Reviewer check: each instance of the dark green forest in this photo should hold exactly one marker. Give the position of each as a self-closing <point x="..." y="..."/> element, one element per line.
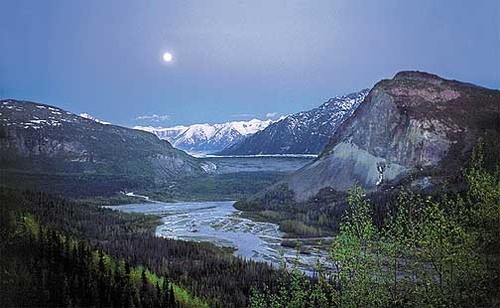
<point x="42" y="267"/>
<point x="73" y="231"/>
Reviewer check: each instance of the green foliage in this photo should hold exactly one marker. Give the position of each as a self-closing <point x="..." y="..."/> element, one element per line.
<point x="483" y="198"/>
<point x="356" y="254"/>
<point x="294" y="291"/>
<point x="433" y="251"/>
<point x="44" y="267"/>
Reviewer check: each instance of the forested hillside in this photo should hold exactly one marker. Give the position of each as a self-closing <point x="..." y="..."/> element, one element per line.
<point x="72" y="238"/>
<point x="428" y="252"/>
<point x="50" y="148"/>
<point x="42" y="267"/>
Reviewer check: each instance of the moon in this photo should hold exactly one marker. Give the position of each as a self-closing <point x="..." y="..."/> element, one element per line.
<point x="167" y="57"/>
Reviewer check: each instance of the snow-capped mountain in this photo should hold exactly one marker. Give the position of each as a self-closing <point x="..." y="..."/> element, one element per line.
<point x="207" y="138"/>
<point x="302" y="133"/>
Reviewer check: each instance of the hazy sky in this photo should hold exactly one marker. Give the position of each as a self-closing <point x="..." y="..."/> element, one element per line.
<point x="233" y="59"/>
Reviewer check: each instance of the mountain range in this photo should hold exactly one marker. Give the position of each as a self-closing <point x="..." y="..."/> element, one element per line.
<point x="42" y="139"/>
<point x="416" y="127"/>
<point x="305" y="132"/>
<point x="207" y="138"/>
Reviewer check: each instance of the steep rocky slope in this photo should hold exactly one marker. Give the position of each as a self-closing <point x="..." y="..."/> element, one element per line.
<point x="45" y="139"/>
<point x="302" y="133"/>
<point x="416" y="123"/>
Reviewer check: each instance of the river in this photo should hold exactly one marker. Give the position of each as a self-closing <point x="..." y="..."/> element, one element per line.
<point x="221" y="224"/>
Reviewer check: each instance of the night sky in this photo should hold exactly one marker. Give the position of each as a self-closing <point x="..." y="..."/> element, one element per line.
<point x="233" y="59"/>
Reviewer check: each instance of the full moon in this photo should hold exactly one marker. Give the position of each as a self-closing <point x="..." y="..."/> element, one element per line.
<point x="167" y="57"/>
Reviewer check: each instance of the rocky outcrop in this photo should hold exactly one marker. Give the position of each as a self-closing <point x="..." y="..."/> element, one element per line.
<point x="415" y="123"/>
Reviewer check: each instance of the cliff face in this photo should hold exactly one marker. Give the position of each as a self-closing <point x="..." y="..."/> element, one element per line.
<point x="414" y="123"/>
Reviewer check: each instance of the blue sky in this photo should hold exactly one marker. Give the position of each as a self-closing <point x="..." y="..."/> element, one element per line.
<point x="233" y="59"/>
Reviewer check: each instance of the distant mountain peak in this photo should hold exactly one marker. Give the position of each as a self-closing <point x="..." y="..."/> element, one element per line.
<point x="207" y="138"/>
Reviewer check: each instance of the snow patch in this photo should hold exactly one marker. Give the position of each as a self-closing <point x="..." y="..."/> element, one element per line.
<point x="90" y="117"/>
